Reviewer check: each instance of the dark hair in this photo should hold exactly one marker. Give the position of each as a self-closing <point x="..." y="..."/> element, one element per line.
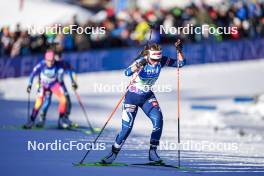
<point x="153" y="46"/>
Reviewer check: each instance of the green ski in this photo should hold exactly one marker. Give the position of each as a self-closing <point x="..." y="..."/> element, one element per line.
<point x="100" y="164"/>
<point x="141" y="165"/>
<point x="162" y="164"/>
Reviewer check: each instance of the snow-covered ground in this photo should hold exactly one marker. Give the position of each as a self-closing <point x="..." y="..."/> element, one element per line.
<point x="239" y="125"/>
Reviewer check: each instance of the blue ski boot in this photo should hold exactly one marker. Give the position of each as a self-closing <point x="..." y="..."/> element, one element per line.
<point x="62" y="124"/>
<point x="29" y="124"/>
<point x="41" y="122"/>
<point x="153" y="156"/>
<point x="111" y="156"/>
<point x="70" y="123"/>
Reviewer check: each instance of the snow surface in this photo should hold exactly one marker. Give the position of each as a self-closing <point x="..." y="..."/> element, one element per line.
<point x="240" y="124"/>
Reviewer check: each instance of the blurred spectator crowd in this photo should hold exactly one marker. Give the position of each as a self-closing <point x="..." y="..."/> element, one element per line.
<point x="130" y="28"/>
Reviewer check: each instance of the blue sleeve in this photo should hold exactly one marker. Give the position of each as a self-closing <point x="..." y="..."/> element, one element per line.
<point x="72" y="76"/>
<point x="69" y="69"/>
<point x="36" y="71"/>
<point x="60" y="74"/>
<point x="169" y="62"/>
<point x="71" y="73"/>
<point x="128" y="71"/>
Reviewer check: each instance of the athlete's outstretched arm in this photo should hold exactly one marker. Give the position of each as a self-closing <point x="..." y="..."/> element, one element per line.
<point x="180" y="61"/>
<point x="69" y="69"/>
<point x="60" y="75"/>
<point x="169" y="62"/>
<point x="36" y="71"/>
<point x="72" y="76"/>
<point x="135" y="66"/>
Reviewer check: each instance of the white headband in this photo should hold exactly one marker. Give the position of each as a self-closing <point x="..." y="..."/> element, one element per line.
<point x="155" y="55"/>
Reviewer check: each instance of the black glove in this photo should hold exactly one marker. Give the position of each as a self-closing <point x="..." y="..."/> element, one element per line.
<point x="142" y="63"/>
<point x="178" y="45"/>
<point x="29" y="88"/>
<point x="74" y="86"/>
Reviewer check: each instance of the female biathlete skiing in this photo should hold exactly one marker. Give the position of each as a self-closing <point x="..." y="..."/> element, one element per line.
<point x="67" y="68"/>
<point x="51" y="77"/>
<point x="145" y="71"/>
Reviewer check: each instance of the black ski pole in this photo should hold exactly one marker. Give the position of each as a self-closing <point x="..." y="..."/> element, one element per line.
<point x="179" y="139"/>
<point x="28" y="106"/>
<point x="84" y="111"/>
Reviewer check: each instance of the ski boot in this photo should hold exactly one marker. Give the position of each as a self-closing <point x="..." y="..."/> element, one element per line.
<point x="111" y="156"/>
<point x="153" y="156"/>
<point x="41" y="122"/>
<point x="29" y="124"/>
<point x="70" y="123"/>
<point x="62" y="124"/>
